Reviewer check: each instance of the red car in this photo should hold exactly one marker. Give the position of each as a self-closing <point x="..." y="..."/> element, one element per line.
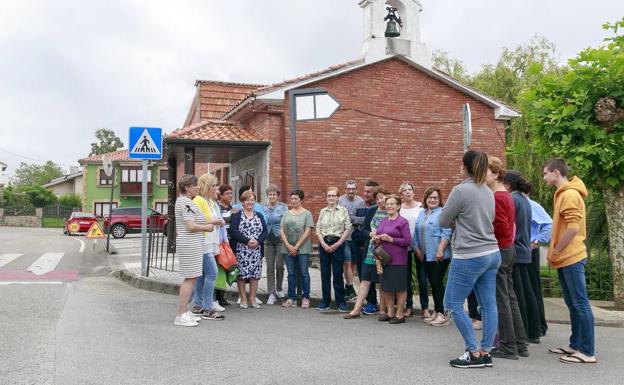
<point x="78" y="222"/>
<point x="128" y="220"/>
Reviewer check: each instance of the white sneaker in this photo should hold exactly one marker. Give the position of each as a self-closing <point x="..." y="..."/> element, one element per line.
<point x="258" y="302"/>
<point x="281" y="294"/>
<point x="238" y="300"/>
<point x="184" y="320"/>
<point x="271" y="299"/>
<point x="194" y="317"/>
<point x="217" y="307"/>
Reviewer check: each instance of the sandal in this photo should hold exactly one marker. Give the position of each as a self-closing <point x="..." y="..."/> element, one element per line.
<point x="213" y="315"/>
<point x="578" y="358"/>
<point x="384" y="318"/>
<point x="351" y="316"/>
<point x="562" y="351"/>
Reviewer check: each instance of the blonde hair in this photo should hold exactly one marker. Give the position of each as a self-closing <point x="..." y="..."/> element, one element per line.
<point x="247" y="195"/>
<point x="205" y="182"/>
<point x="496" y="166"/>
<point x="332" y="188"/>
<point x="405" y="185"/>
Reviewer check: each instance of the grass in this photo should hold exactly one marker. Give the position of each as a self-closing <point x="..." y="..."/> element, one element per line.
<point x="57" y="223"/>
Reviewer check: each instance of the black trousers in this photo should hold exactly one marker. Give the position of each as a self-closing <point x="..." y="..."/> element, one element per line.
<point x="526" y="300"/>
<point x="473" y="306"/>
<point x="435" y="274"/>
<point x="409" y="304"/>
<point x="423" y="285"/>
<point x="512" y="337"/>
<point x="536" y="283"/>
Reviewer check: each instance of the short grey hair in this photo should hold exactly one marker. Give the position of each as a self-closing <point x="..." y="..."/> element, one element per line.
<point x="273" y="188"/>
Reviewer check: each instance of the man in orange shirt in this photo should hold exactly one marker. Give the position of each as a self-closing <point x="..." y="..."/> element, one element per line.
<point x="567" y="253"/>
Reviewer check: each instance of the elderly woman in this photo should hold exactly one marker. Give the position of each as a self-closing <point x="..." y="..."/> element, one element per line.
<point x="190" y="227"/>
<point x="205" y="285"/>
<point x="369" y="268"/>
<point x="296" y="226"/>
<point x="393" y="234"/>
<point x="273" y="213"/>
<point x="249" y="232"/>
<point x="332" y="229"/>
<point x="432" y="245"/>
<point x="410" y="209"/>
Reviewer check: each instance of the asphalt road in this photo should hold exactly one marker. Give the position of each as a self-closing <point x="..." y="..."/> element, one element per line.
<point x="98" y="330"/>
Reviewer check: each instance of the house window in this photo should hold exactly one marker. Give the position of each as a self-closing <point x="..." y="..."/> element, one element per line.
<point x="161" y="207"/>
<point x="134" y="175"/>
<point x="103" y="179"/>
<point x="100" y="209"/>
<point x="162" y="176"/>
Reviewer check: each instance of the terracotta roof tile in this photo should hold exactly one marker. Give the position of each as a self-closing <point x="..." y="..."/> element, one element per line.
<point x="214" y="130"/>
<point x="113" y="156"/>
<point x="217" y="98"/>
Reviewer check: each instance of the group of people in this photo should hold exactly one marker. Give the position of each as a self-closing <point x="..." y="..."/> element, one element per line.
<point x="484" y="240"/>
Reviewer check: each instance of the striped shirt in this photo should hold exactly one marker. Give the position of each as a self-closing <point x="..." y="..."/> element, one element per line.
<point x="189" y="246"/>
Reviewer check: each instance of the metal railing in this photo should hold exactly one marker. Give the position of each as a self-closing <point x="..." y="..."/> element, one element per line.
<point x="159" y="255"/>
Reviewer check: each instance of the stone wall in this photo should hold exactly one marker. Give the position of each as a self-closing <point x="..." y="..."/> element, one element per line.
<point x="22" y="221"/>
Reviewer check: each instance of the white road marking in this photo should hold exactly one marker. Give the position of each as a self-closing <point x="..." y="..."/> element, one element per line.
<point x="82" y="244"/>
<point x="5" y="283"/>
<point x="5" y="259"/>
<point x="46" y="263"/>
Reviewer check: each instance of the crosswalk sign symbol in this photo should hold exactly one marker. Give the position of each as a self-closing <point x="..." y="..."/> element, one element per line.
<point x="95" y="231"/>
<point x="145" y="143"/>
<point x="74" y="227"/>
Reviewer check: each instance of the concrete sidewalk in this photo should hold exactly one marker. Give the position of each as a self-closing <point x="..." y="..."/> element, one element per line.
<point x="125" y="260"/>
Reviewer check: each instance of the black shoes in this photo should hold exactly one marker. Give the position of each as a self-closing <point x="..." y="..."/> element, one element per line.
<point x="468" y="361"/>
<point x="534" y="340"/>
<point x="498" y="354"/>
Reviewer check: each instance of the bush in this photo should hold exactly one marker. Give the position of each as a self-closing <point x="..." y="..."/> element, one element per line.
<point x="70" y="200"/>
<point x="598" y="278"/>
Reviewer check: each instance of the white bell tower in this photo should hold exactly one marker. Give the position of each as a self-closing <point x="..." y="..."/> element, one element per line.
<point x="376" y="46"/>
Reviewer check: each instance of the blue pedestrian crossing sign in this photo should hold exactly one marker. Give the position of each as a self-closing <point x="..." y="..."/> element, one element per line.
<point x="145" y="143"/>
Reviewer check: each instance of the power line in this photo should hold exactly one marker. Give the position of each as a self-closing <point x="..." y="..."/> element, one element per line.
<point x="32" y="159"/>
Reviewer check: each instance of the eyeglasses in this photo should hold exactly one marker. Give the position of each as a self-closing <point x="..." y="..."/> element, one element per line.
<point x="332" y="195"/>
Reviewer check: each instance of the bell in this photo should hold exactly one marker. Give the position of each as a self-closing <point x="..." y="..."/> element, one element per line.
<point x="391" y="29"/>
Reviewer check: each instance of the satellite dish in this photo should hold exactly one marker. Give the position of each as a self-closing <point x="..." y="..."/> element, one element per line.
<point x="107" y="164"/>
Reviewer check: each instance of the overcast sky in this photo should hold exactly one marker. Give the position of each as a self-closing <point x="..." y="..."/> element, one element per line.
<point x="68" y="68"/>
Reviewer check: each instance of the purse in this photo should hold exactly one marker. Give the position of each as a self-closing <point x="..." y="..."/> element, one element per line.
<point x="382" y="255"/>
<point x="226" y="258"/>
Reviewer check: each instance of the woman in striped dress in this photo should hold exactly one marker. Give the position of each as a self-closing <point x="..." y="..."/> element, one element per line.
<point x="190" y="228"/>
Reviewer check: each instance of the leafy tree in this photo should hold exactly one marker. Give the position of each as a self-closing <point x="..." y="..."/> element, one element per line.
<point x="449" y="66"/>
<point x="40" y="196"/>
<point x="70" y="200"/>
<point x="35" y="174"/>
<point x="579" y="115"/>
<point x="107" y="141"/>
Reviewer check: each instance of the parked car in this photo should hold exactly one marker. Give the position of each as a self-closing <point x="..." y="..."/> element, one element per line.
<point x="126" y="220"/>
<point x="81" y="221"/>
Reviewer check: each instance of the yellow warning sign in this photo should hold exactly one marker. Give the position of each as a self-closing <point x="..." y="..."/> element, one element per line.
<point x="95" y="231"/>
<point x="74" y="227"/>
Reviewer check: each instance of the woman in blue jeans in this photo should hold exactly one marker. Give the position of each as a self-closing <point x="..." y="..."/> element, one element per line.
<point x="476" y="259"/>
<point x="295" y="229"/>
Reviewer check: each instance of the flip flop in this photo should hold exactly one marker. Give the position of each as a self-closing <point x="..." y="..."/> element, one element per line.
<point x="562" y="351"/>
<point x="577" y="359"/>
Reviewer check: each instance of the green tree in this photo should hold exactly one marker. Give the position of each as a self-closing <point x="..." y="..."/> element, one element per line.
<point x="107" y="141"/>
<point x="40" y="196"/>
<point x="579" y="115"/>
<point x="70" y="200"/>
<point x="453" y="67"/>
<point x="35" y="174"/>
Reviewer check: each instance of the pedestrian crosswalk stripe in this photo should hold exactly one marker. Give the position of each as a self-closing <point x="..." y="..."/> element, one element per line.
<point x="46" y="263"/>
<point x="5" y="259"/>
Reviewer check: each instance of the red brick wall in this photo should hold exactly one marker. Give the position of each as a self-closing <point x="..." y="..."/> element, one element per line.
<point x="425" y="148"/>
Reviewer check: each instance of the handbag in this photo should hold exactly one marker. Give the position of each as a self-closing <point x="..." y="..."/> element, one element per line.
<point x="382" y="255"/>
<point x="226" y="258"/>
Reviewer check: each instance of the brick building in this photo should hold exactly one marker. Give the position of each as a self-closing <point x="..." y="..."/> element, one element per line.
<point x="399" y="119"/>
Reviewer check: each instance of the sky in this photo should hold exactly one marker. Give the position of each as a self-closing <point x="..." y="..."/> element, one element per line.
<point x="68" y="68"/>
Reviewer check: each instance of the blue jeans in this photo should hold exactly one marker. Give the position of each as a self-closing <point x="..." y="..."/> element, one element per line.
<point x="331" y="263"/>
<point x="464" y="276"/>
<point x="572" y="282"/>
<point x="205" y="285"/>
<point x="297" y="266"/>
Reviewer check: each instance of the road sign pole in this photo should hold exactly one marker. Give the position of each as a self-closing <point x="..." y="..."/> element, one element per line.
<point x="144" y="219"/>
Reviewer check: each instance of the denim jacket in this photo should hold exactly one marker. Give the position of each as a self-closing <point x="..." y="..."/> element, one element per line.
<point x="434" y="233"/>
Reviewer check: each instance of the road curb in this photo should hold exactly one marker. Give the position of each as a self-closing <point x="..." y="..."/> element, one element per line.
<point x="604" y="323"/>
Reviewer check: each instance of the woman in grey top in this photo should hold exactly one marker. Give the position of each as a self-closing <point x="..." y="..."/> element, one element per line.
<point x="476" y="259"/>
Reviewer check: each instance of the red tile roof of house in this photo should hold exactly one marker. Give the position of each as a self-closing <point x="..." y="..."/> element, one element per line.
<point x="113" y="156"/>
<point x="214" y="130"/>
<point x="216" y="98"/>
